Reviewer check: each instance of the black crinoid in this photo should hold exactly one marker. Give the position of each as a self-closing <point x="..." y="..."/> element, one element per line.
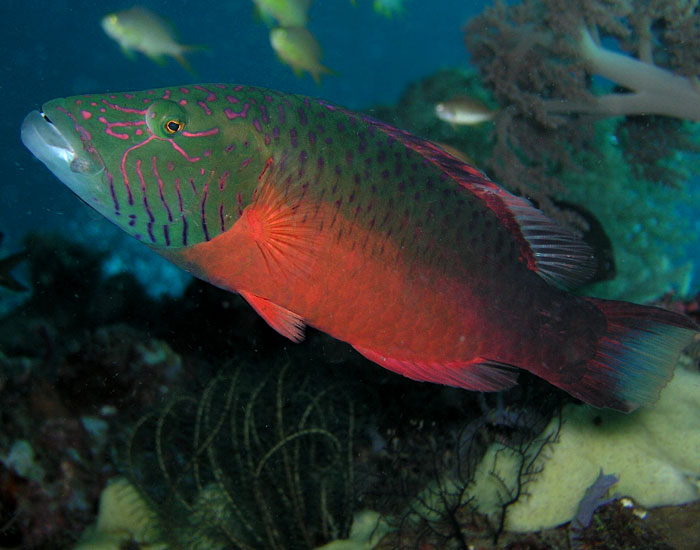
<point x="250" y="463"/>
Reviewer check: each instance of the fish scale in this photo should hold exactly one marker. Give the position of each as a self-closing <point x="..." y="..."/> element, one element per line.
<point x="320" y="216"/>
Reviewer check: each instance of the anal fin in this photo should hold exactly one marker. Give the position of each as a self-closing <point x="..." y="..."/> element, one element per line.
<point x="478" y="374"/>
<point x="285" y="322"/>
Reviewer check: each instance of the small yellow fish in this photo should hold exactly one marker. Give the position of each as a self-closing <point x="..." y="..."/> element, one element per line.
<point x="140" y="30"/>
<point x="388" y="8"/>
<point x="464" y="111"/>
<point x="287" y="13"/>
<point x="298" y="48"/>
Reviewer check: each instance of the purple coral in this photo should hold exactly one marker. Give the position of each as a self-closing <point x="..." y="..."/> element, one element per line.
<point x="593" y="498"/>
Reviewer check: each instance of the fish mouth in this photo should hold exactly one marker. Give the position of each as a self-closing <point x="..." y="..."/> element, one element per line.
<point x="60" y="151"/>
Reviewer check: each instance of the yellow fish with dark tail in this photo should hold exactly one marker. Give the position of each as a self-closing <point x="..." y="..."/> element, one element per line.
<point x="140" y="30"/>
<point x="299" y="49"/>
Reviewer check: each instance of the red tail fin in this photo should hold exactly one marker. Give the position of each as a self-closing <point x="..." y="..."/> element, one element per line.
<point x="636" y="356"/>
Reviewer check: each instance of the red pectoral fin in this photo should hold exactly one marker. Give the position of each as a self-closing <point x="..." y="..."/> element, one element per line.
<point x="284" y="223"/>
<point x="282" y="320"/>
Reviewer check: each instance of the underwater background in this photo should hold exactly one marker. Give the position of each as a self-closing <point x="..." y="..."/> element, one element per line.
<point x="115" y="365"/>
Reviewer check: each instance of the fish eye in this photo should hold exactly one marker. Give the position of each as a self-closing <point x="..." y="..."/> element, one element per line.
<point x="173" y="126"/>
<point x="165" y="118"/>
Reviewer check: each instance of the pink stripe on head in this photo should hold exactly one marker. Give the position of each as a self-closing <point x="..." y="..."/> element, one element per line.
<point x="182" y="152"/>
<point x="211" y="132"/>
<point x="123" y="109"/>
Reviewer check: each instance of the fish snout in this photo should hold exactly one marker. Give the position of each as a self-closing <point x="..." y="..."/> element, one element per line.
<point x="71" y="158"/>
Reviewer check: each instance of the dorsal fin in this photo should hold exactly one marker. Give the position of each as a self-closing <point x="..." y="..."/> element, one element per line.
<point x="557" y="255"/>
<point x="550" y="250"/>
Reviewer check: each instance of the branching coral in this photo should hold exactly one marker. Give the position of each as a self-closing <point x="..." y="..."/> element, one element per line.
<point x="555" y="69"/>
<point x="470" y="478"/>
<point x="543" y="53"/>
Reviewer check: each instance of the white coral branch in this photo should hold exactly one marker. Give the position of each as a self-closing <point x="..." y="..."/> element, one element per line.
<point x="654" y="91"/>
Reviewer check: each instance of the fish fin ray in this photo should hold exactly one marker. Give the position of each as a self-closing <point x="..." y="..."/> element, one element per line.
<point x="286" y="322"/>
<point x="283" y="222"/>
<point x="156" y="58"/>
<point x="553" y="252"/>
<point x="635" y="358"/>
<point x="478" y="374"/>
<point x="560" y="258"/>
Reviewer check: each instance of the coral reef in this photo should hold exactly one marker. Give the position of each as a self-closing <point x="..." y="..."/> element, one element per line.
<point x="283" y="455"/>
<point x="651" y="237"/>
<point x="577" y="86"/>
<point x="124" y="520"/>
<point x="656" y="465"/>
<point x="69" y="382"/>
<point x="540" y="56"/>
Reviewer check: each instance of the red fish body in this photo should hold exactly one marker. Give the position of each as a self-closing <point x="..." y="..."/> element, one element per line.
<point x="320" y="216"/>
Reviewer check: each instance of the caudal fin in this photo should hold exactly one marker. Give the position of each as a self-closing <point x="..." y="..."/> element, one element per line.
<point x="636" y="356"/>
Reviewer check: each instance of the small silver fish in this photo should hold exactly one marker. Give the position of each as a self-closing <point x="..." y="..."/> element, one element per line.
<point x="464" y="111"/>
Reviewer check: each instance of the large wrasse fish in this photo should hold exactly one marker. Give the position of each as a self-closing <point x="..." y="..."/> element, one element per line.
<point x="320" y="216"/>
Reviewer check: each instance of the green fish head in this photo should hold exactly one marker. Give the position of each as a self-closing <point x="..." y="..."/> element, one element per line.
<point x="152" y="162"/>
